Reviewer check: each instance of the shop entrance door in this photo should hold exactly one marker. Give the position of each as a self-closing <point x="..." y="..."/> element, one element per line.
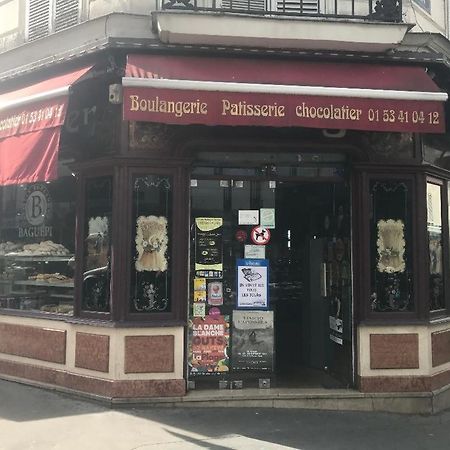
<point x="311" y="284"/>
<point x="270" y="276"/>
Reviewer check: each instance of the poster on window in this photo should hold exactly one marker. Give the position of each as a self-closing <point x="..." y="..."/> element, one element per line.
<point x="252" y="283"/>
<point x="208" y="350"/>
<point x="336" y="330"/>
<point x="208" y="247"/>
<point x="253" y="340"/>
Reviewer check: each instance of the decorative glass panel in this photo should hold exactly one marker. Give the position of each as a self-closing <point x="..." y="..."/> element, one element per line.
<point x="434" y="225"/>
<point x="391" y="267"/>
<point x="97" y="245"/>
<point x="151" y="244"/>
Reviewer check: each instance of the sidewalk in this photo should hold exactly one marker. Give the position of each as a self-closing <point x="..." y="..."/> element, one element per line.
<point x="36" y="419"/>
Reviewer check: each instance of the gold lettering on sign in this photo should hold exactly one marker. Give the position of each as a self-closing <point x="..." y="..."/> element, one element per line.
<point x="332" y="112"/>
<point x="176" y="108"/>
<point x="244" y="109"/>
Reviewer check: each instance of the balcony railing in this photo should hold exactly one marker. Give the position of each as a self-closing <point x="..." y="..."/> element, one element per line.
<point x="371" y="10"/>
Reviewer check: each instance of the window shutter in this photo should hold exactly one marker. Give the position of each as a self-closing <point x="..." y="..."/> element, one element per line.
<point x="244" y="5"/>
<point x="38" y="19"/>
<point x="298" y="6"/>
<point x="66" y="14"/>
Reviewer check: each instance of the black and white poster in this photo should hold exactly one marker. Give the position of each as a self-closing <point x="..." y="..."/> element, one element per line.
<point x="252" y="340"/>
<point x="208" y="247"/>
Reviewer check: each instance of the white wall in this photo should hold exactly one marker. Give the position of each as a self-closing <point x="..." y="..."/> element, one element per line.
<point x="97" y="8"/>
<point x="12" y="14"/>
<point x="434" y="20"/>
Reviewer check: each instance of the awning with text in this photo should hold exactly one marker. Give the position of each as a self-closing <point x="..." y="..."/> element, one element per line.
<point x="30" y="125"/>
<point x="281" y="93"/>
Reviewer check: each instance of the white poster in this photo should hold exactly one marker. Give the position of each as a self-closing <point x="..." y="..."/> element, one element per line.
<point x="255" y="251"/>
<point x="252" y="283"/>
<point x="248" y="217"/>
<point x="267" y="217"/>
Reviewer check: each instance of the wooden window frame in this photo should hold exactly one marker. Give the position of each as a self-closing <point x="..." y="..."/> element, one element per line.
<point x="445" y="186"/>
<point x="179" y="249"/>
<point x="362" y="246"/>
<point x="80" y="247"/>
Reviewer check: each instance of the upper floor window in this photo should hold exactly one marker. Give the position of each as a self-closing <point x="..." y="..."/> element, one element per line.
<point x="47" y="16"/>
<point x="425" y="4"/>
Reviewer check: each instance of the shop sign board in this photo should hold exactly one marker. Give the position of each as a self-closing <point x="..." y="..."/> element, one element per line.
<point x="253" y="340"/>
<point x="209" y="339"/>
<point x="208" y="247"/>
<point x="252" y="283"/>
<point x="185" y="107"/>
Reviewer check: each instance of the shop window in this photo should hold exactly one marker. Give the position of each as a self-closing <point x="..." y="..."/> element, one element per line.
<point x="391" y="239"/>
<point x="435" y="243"/>
<point x="97" y="244"/>
<point x="151" y="244"/>
<point x="37" y="226"/>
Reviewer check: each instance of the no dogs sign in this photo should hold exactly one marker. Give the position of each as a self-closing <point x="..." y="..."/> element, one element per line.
<point x="260" y="235"/>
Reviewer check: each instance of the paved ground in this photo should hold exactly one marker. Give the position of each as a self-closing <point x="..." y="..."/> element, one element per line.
<point x="36" y="419"/>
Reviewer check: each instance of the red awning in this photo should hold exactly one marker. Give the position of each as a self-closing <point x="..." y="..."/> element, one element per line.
<point x="233" y="91"/>
<point x="30" y="126"/>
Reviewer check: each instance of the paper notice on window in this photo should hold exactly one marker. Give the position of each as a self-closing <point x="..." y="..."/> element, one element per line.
<point x="252" y="283"/>
<point x="208" y="244"/>
<point x="267" y="217"/>
<point x="255" y="252"/>
<point x="248" y="217"/>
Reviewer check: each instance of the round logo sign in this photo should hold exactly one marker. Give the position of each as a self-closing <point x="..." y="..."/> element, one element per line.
<point x="36" y="208"/>
<point x="241" y="235"/>
<point x="214" y="312"/>
<point x="260" y="235"/>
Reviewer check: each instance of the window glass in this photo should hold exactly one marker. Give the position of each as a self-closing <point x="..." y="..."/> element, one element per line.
<point x="97" y="244"/>
<point x="434" y="226"/>
<point x="151" y="244"/>
<point x="37" y="226"/>
<point x="250" y="299"/>
<point x="391" y="238"/>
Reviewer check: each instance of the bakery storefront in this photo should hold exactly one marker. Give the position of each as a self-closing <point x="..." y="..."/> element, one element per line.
<point x="229" y="223"/>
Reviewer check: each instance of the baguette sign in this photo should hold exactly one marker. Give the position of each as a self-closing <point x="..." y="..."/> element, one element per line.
<point x="185" y="107"/>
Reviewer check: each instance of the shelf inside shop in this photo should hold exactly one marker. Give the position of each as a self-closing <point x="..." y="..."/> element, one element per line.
<point x="66" y="296"/>
<point x="42" y="258"/>
<point x="61" y="284"/>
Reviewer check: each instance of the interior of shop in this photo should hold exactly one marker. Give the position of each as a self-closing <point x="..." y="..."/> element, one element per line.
<point x="270" y="298"/>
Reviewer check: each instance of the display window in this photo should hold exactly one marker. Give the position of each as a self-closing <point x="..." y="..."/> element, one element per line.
<point x="270" y="274"/>
<point x="37" y="234"/>
<point x="151" y="244"/>
<point x="435" y="244"/>
<point x="97" y="244"/>
<point x="391" y="246"/>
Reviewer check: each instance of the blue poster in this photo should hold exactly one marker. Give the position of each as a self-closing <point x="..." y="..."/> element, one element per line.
<point x="252" y="283"/>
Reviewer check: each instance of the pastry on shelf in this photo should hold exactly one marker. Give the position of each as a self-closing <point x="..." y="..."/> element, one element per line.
<point x="8" y="247"/>
<point x="44" y="248"/>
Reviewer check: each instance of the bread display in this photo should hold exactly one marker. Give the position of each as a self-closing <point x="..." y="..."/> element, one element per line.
<point x="50" y="278"/>
<point x="8" y="247"/>
<point x="44" y="248"/>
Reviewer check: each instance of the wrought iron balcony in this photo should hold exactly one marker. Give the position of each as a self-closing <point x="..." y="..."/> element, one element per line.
<point x="370" y="10"/>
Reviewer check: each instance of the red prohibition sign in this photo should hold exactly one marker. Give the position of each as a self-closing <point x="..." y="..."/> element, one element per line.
<point x="260" y="235"/>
